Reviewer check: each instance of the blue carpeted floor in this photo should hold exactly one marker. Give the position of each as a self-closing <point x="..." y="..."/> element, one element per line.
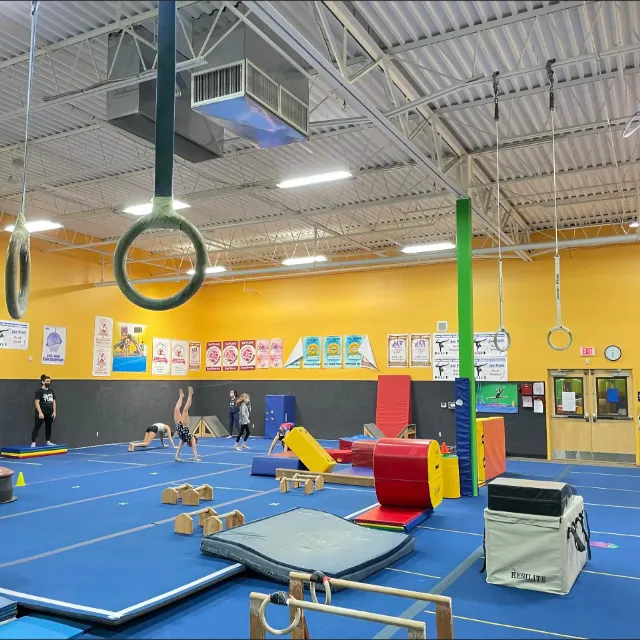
<point x="89" y="532"/>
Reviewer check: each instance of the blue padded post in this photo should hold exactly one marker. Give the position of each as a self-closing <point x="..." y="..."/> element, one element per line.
<point x="464" y="434"/>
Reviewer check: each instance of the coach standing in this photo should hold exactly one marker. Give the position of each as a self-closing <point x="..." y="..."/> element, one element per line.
<point x="45" y="410"/>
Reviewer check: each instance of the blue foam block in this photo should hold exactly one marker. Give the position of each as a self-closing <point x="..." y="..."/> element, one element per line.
<point x="37" y="627"/>
<point x="267" y="465"/>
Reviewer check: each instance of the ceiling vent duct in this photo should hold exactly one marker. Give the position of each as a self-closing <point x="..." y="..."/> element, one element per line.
<point x="250" y="89"/>
<point x="133" y="108"/>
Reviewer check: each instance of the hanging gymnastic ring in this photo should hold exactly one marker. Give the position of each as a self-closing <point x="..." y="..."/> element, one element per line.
<point x="284" y="599"/>
<point x="317" y="577"/>
<point x="563" y="329"/>
<point x="18" y="258"/>
<point x="496" y="342"/>
<point x="163" y="216"/>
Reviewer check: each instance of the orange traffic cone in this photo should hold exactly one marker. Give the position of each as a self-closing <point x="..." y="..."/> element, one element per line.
<point x="444" y="448"/>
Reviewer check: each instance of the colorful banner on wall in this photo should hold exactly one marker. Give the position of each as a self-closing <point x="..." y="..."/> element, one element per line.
<point x="230" y="355"/>
<point x="352" y="355"/>
<point x="332" y="350"/>
<point x="420" y="350"/>
<point x="484" y="345"/>
<point x="497" y="397"/>
<point x="397" y="350"/>
<point x="276" y="350"/>
<point x="486" y="369"/>
<point x="262" y="353"/>
<point x="445" y="345"/>
<point x="103" y="332"/>
<point x="247" y="355"/>
<point x="161" y="357"/>
<point x="366" y="351"/>
<point x="311" y="352"/>
<point x="130" y="350"/>
<point x="195" y="350"/>
<point x="54" y="345"/>
<point x="445" y="369"/>
<point x="295" y="357"/>
<point x="14" y="335"/>
<point x="213" y="357"/>
<point x="179" y="357"/>
<point x="101" y="362"/>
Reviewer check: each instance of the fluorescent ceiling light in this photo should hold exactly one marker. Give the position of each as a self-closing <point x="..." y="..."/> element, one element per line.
<point x="147" y="207"/>
<point x="34" y="226"/>
<point x="290" y="262"/>
<point x="634" y="225"/>
<point x="218" y="269"/>
<point x="317" y="179"/>
<point x="427" y="248"/>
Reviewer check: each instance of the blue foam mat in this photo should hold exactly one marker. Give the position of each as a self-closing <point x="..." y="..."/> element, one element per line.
<point x="41" y="628"/>
<point x="267" y="465"/>
<point x="37" y="449"/>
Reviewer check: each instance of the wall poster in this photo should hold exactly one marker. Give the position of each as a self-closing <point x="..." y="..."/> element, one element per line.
<point x="275" y="353"/>
<point x="262" y="353"/>
<point x="420" y="350"/>
<point x="497" y="397"/>
<point x="397" y="355"/>
<point x="332" y="352"/>
<point x="179" y="357"/>
<point x="54" y="345"/>
<point x="247" y="355"/>
<point x="195" y="350"/>
<point x="130" y="349"/>
<point x="311" y="352"/>
<point x="213" y="356"/>
<point x="14" y="335"/>
<point x="102" y="339"/>
<point x="230" y="355"/>
<point x="352" y="355"/>
<point x="160" y="360"/>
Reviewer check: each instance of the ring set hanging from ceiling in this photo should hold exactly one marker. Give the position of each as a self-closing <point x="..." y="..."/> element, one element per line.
<point x="18" y="252"/>
<point x="502" y="331"/>
<point x="559" y="327"/>
<point x="163" y="214"/>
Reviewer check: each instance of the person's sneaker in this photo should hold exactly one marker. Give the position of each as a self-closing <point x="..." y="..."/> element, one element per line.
<point x="51" y="444"/>
<point x="244" y="446"/>
<point x="236" y="447"/>
<point x="33" y="445"/>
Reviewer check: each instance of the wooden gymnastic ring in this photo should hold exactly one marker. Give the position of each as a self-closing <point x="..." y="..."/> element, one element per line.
<point x="276" y="599"/>
<point x="563" y="329"/>
<point x="163" y="216"/>
<point x="496" y="342"/>
<point x="319" y="577"/>
<point x="18" y="258"/>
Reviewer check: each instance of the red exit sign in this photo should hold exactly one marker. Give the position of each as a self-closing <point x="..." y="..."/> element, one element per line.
<point x="587" y="352"/>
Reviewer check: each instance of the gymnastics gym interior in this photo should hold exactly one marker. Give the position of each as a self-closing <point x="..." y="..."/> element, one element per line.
<point x="319" y="319"/>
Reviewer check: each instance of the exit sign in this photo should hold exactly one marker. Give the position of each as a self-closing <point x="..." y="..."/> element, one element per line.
<point x="587" y="352"/>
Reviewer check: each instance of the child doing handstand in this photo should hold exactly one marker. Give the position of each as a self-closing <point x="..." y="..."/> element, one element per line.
<point x="181" y="418"/>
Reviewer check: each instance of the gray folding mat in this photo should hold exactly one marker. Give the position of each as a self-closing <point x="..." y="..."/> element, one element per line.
<point x="216" y="426"/>
<point x="309" y="540"/>
<point x="373" y="430"/>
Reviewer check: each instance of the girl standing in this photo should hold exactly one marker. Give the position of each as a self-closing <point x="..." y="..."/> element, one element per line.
<point x="244" y="410"/>
<point x="233" y="412"/>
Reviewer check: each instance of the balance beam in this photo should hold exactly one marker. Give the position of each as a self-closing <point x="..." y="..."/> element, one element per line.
<point x="332" y="478"/>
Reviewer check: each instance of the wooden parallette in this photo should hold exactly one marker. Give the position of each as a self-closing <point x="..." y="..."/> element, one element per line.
<point x="209" y="519"/>
<point x="332" y="478"/>
<point x="309" y="481"/>
<point x="190" y="496"/>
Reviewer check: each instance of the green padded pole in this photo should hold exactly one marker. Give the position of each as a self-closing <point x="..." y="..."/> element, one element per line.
<point x="464" y="237"/>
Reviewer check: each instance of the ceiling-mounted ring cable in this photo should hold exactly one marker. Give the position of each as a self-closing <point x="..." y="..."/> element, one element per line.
<point x="163" y="214"/>
<point x="18" y="252"/>
<point x="559" y="327"/>
<point x="498" y="343"/>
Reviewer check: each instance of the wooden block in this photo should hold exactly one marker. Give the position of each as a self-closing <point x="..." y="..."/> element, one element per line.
<point x="308" y="487"/>
<point x="214" y="523"/>
<point x="334" y="478"/>
<point x="319" y="483"/>
<point x="191" y="498"/>
<point x="183" y="524"/>
<point x="171" y="495"/>
<point x="205" y="491"/>
<point x="284" y="485"/>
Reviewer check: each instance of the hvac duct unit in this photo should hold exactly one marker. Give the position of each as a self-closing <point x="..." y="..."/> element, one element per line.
<point x="133" y="108"/>
<point x="253" y="91"/>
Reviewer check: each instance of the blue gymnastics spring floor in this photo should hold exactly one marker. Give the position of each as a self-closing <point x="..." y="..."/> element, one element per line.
<point x="89" y="537"/>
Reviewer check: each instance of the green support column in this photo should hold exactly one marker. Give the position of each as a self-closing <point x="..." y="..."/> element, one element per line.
<point x="464" y="237"/>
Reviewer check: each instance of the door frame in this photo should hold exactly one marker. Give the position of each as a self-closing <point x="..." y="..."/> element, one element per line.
<point x="591" y="373"/>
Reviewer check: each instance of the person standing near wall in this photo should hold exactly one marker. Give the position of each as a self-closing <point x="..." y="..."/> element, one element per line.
<point x="244" y="410"/>
<point x="233" y="412"/>
<point x="45" y="400"/>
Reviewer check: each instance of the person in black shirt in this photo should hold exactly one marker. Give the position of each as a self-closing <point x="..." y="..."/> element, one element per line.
<point x="45" y="400"/>
<point x="234" y="414"/>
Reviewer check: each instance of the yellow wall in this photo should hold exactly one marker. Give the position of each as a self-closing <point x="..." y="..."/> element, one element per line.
<point x="599" y="305"/>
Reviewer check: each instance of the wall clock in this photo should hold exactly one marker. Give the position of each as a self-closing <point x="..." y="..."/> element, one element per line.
<point x="612" y="353"/>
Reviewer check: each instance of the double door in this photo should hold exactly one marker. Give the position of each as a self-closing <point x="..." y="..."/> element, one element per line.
<point x="592" y="415"/>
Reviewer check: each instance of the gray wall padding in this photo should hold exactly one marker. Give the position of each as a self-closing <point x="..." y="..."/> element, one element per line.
<point x="119" y="410"/>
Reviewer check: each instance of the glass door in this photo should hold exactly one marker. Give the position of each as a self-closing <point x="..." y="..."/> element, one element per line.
<point x="592" y="416"/>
